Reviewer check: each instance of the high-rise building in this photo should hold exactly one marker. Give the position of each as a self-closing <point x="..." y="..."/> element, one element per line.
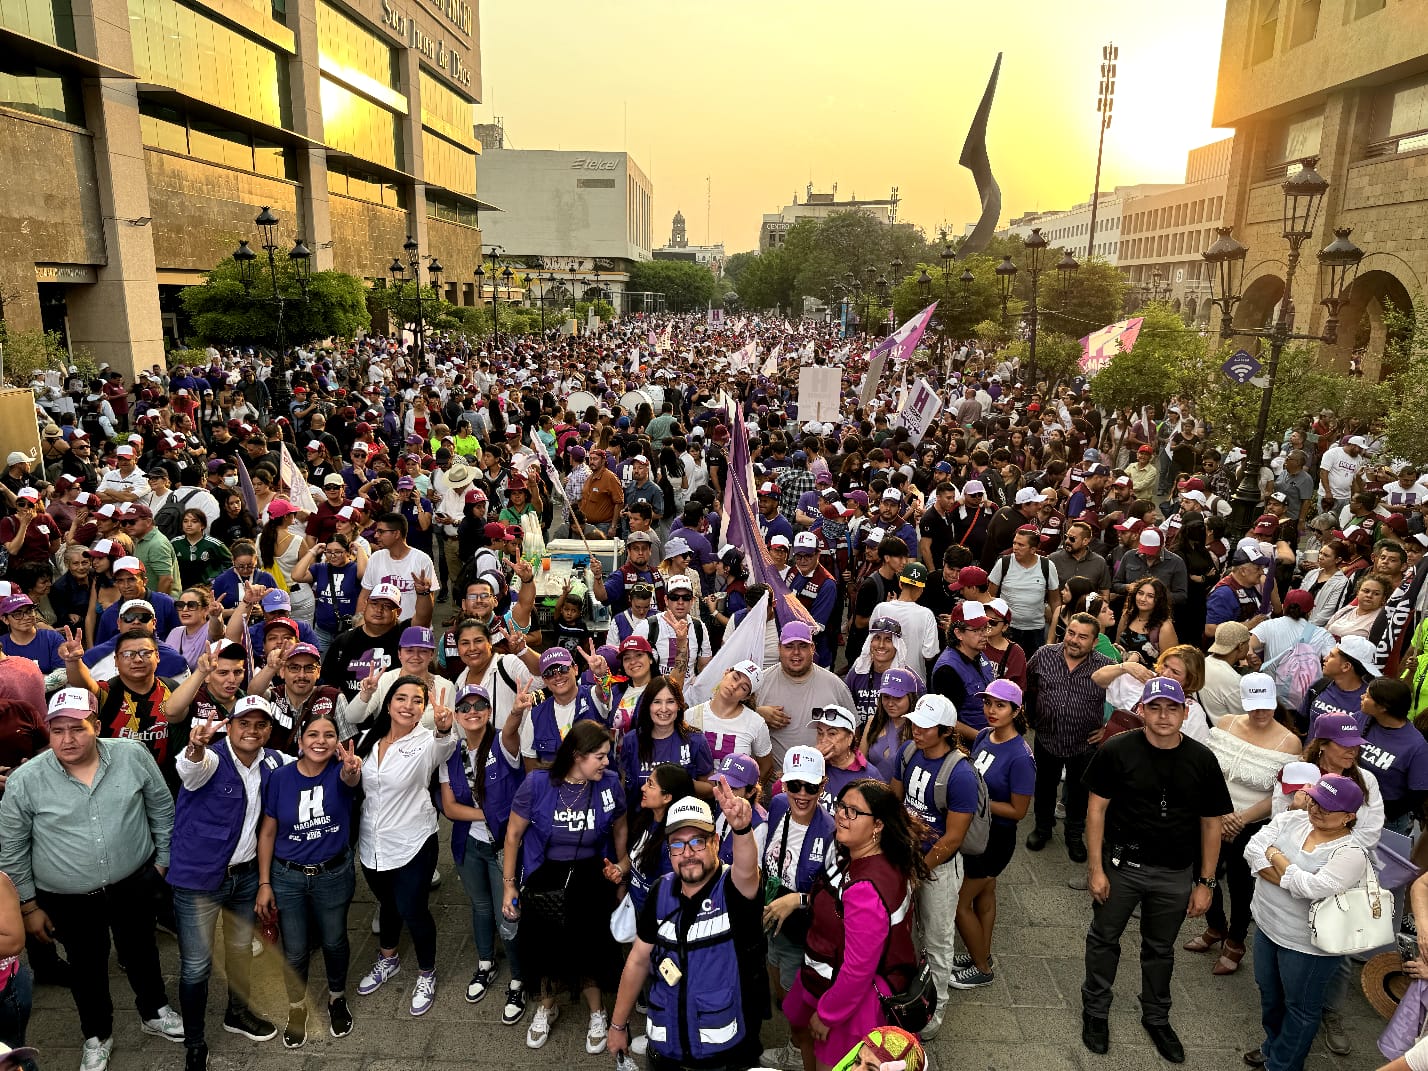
<point x="141" y="138"/>
<point x="1346" y="82"/>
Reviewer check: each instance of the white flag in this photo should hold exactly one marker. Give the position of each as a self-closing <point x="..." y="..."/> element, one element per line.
<point x="746" y="642"/>
<point x="299" y="493"/>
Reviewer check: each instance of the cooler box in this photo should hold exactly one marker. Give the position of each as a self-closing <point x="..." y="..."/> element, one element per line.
<point x="573" y="555"/>
<point x="610" y="552"/>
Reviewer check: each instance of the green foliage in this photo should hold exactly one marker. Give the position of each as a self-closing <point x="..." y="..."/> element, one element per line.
<point x="1091" y="298"/>
<point x="960" y="306"/>
<point x="734" y="266"/>
<point x="1057" y="356"/>
<point x="400" y="305"/>
<point x="1405" y="429"/>
<point x="603" y="309"/>
<point x="768" y="281"/>
<point x="1142" y="376"/>
<point x="223" y="312"/>
<point x="991" y="334"/>
<point x="686" y="286"/>
<point x="28" y="352"/>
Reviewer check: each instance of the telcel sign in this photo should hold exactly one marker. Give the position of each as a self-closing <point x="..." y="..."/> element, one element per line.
<point x="590" y="163"/>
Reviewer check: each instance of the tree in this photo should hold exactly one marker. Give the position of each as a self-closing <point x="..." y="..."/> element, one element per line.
<point x="1093" y="296"/>
<point x="400" y="305"/>
<point x="23" y="353"/>
<point x="222" y="311"/>
<point x="767" y="282"/>
<point x="1141" y="376"/>
<point x="1405" y="429"/>
<point x="960" y="306"/>
<point x="686" y="286"/>
<point x="734" y="266"/>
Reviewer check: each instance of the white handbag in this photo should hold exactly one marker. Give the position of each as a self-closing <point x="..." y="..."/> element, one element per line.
<point x="1353" y="921"/>
<point x="622" y="921"/>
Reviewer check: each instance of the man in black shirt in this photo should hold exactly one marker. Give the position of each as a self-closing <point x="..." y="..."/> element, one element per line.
<point x="373" y="643"/>
<point x="1156" y="800"/>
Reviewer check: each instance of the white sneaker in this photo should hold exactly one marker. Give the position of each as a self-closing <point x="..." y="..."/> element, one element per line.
<point x="167" y="1025"/>
<point x="639" y="1044"/>
<point x="538" y="1033"/>
<point x="436" y="879"/>
<point x="383" y="969"/>
<point x="96" y="1054"/>
<point x="257" y="947"/>
<point x="424" y="993"/>
<point x="598" y="1033"/>
<point x="788" y="1057"/>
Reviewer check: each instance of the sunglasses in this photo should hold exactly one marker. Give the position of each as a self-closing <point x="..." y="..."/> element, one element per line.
<point x="681" y="596"/>
<point x="886" y="626"/>
<point x="830" y="715"/>
<point x="555" y="671"/>
<point x="188" y="604"/>
<point x="800" y="788"/>
<point x="471" y="706"/>
<point x="134" y="617"/>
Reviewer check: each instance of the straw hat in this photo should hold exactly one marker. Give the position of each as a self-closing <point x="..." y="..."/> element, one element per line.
<point x="1385" y="982"/>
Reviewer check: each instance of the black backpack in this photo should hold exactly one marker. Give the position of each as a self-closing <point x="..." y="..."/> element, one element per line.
<point x="169" y="519"/>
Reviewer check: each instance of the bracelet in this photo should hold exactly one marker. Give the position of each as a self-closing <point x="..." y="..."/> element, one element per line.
<point x="269" y="884"/>
<point x="509" y="881"/>
<point x="623" y="1028"/>
<point x="741" y="832"/>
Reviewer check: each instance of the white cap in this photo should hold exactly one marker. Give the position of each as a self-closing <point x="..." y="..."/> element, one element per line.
<point x="135" y="604"/>
<point x="803" y="763"/>
<point x="1257" y="692"/>
<point x="779" y="540"/>
<point x="1359" y="441"/>
<point x="1029" y="494"/>
<point x="892" y="494"/>
<point x="751" y="670"/>
<point x="640" y="459"/>
<point x="129" y="563"/>
<point x="1198" y="497"/>
<point x="933" y="710"/>
<point x="875" y="536"/>
<point x="805" y="541"/>
<point x="251" y="703"/>
<point x="974" y="487"/>
<point x="390" y="592"/>
<point x="689" y="812"/>
<point x="123" y="451"/>
<point x="678" y="582"/>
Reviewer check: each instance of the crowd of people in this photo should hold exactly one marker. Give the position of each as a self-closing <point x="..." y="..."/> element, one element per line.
<point x="267" y="626"/>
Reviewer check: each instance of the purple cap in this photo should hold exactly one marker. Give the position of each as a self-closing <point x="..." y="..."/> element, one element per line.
<point x="303" y="649"/>
<point x="610" y="654"/>
<point x="417" y="636"/>
<point x="1162" y="688"/>
<point x="1342" y="729"/>
<point x="900" y="682"/>
<point x="795" y="632"/>
<point x="15" y="602"/>
<point x="276" y="602"/>
<point x="739" y="770"/>
<point x="1005" y="690"/>
<point x="555" y="656"/>
<point x="472" y="691"/>
<point x="1334" y="792"/>
<point x="406" y="483"/>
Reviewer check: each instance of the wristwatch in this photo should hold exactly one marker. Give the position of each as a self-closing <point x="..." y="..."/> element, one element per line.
<point x="1209" y="883"/>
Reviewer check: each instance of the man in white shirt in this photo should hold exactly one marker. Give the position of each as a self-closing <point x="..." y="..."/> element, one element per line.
<point x="1029" y="584"/>
<point x="676" y="630"/>
<point x="919" y="624"/>
<point x="124" y="482"/>
<point x="1339" y="470"/>
<point x="397" y="562"/>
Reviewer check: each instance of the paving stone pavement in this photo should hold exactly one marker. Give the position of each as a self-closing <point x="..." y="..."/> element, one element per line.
<point x="1029" y="1017"/>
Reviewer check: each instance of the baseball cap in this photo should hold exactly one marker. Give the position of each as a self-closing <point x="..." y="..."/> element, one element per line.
<point x="892" y="494"/>
<point x="933" y="710"/>
<point x="969" y="576"/>
<point x="1132" y="526"/>
<point x="1357" y="440"/>
<point x="689" y="812"/>
<point x="1029" y="494"/>
<point x="1228" y="636"/>
<point x="299" y="649"/>
<point x="1146" y="449"/>
<point x="998" y="608"/>
<point x="389" y="592"/>
<point x="795" y="632"/>
<point x="275" y="602"/>
<point x="768" y="490"/>
<point x="1266" y="525"/>
<point x="17" y="602"/>
<point x="1297" y="775"/>
<point x="750" y="669"/>
<point x="1198" y="497"/>
<point x="1003" y="689"/>
<point x="72" y="703"/>
<point x="836" y="717"/>
<point x="875" y="536"/>
<point x="740" y="771"/>
<point x="805" y="542"/>
<point x="29" y="494"/>
<point x="889" y="626"/>
<point x="1257" y="692"/>
<point x="1299" y="599"/>
<point x="1363" y="651"/>
<point x="285" y="622"/>
<point x="129" y="564"/>
<point x="678" y="582"/>
<point x="969" y="612"/>
<point x="555" y="656"/>
<point x="102" y="548"/>
<point x="639" y="537"/>
<point x="974" y="487"/>
<point x="1342" y="729"/>
<point x="405" y="483"/>
<point x="417" y="636"/>
<point x="473" y="692"/>
<point x="1248" y="554"/>
<point x="899" y="682"/>
<point x="1335" y="792"/>
<point x="253" y="704"/>
<point x="333" y="479"/>
<point x="800" y="763"/>
<point x="1162" y="688"/>
<point x="1150" y="539"/>
<point x="914" y="573"/>
<point x="636" y="643"/>
<point x="136" y="604"/>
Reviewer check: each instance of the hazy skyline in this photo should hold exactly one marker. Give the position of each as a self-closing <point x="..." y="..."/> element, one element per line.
<point x="764" y="98"/>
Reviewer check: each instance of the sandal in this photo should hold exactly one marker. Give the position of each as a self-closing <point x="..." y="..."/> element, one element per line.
<point x="1230" y="956"/>
<point x="1206" y="941"/>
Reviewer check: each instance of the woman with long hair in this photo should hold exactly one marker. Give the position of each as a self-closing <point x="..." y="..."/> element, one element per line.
<point x="103" y="592"/>
<point x="1001" y="650"/>
<point x="265" y="491"/>
<point x="416" y="652"/>
<point x="478" y="784"/>
<point x="397" y="839"/>
<point x="1073" y="600"/>
<point x="234" y="522"/>
<point x="1186" y="664"/>
<point x="305" y="873"/>
<point x="648" y="858"/>
<point x="1145" y="628"/>
<point x="729" y="721"/>
<point x="1327" y="582"/>
<point x="638" y="666"/>
<point x="196" y="610"/>
<point x="334" y="572"/>
<point x="564" y="822"/>
<point x="660" y="735"/>
<point x="280" y="550"/>
<point x="1364" y="616"/>
<point x="861" y="937"/>
<point x="887" y="730"/>
<point x="504" y="676"/>
<point x="1202" y="573"/>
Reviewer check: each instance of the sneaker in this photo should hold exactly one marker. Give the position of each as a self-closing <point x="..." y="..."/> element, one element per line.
<point x="424" y="992"/>
<point x="1080" y="882"/>
<point x="598" y="1032"/>
<point x="436" y="879"/>
<point x="970" y="978"/>
<point x="253" y="1027"/>
<point x="962" y="960"/>
<point x="515" y="1009"/>
<point x="96" y="1054"/>
<point x="639" y="1044"/>
<point x="340" y="1017"/>
<point x="480" y="983"/>
<point x="539" y="1031"/>
<point x="1060" y="811"/>
<point x="295" y="1033"/>
<point x="788" y="1057"/>
<point x="196" y="1059"/>
<point x="383" y="969"/>
<point x="257" y="947"/>
<point x="168" y="1024"/>
<point x="1335" y="1039"/>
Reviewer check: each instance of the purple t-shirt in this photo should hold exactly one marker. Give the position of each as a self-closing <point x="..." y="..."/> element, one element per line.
<point x="693" y="754"/>
<point x="1398" y="757"/>
<point x="919" y="781"/>
<point x="839" y="779"/>
<point x="1334" y="700"/>
<point x="314" y="814"/>
<point x="571" y="823"/>
<point x="1007" y="768"/>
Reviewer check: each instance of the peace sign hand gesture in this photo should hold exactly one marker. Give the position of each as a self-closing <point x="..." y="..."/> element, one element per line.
<point x="203" y="732"/>
<point x="215" y="606"/>
<point x="351" y="764"/>
<point x="599" y="668"/>
<point x="72" y="649"/>
<point x="525" y="699"/>
<point x="443" y="717"/>
<point x="737" y="810"/>
<point x="421" y="583"/>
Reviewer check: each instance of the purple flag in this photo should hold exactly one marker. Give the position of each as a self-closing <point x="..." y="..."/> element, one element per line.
<point x="245" y="488"/>
<point x="904" y="340"/>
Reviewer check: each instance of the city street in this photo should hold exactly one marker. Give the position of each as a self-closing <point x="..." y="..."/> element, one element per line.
<point x="1029" y="1018"/>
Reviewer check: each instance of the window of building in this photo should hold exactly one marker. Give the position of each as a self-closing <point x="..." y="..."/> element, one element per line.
<point x="1399" y="120"/>
<point x="350" y="181"/>
<point x="41" y="92"/>
<point x="446" y="111"/>
<point x="357" y="126"/>
<point x="169" y="129"/>
<point x="1305" y="23"/>
<point x="1264" y="31"/>
<point x="447" y="165"/>
<point x="1292" y="139"/>
<point x="349" y="49"/>
<point x="45" y="20"/>
<point x="1357" y="9"/>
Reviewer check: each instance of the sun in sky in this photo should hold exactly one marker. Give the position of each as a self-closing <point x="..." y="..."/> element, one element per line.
<point x="731" y="108"/>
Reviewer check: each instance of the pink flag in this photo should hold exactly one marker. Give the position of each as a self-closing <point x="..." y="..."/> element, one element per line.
<point x="1099" y="347"/>
<point x="903" y="341"/>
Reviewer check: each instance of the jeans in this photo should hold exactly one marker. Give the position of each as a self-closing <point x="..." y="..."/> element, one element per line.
<point x="1293" y="987"/>
<point x="321" y="902"/>
<point x="937" y="924"/>
<point x="481" y="876"/>
<point x="196" y="912"/>
<point x="1031" y="639"/>
<point x="1162" y="895"/>
<point x="403" y="895"/>
<point x="1238" y="885"/>
<point x="83" y="923"/>
<point x="16" y="1000"/>
<point x="1048" y="784"/>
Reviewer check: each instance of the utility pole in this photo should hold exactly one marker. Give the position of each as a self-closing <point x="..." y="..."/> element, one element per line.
<point x="708" y="206"/>
<point x="1105" y="99"/>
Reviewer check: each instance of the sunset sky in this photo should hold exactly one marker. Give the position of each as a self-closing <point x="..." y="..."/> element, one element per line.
<point x="764" y="97"/>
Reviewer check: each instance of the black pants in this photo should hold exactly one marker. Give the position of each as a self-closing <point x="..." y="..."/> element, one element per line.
<point x="1048" y="782"/>
<point x="83" y="924"/>
<point x="1162" y="895"/>
<point x="403" y="896"/>
<point x="1238" y="883"/>
<point x="1030" y="639"/>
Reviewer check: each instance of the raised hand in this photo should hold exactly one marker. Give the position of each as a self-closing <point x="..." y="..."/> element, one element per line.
<point x="595" y="568"/>
<point x="215" y="606"/>
<point x="681" y="628"/>
<point x="203" y="731"/>
<point x="204" y="665"/>
<point x="369" y="683"/>
<point x="737" y="810"/>
<point x="421" y="583"/>
<point x="443" y="717"/>
<point x="525" y="699"/>
<point x="524" y="570"/>
<point x="72" y="649"/>
<point x="351" y="763"/>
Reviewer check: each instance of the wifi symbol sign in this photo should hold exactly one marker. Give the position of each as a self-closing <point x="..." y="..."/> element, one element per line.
<point x="1241" y="366"/>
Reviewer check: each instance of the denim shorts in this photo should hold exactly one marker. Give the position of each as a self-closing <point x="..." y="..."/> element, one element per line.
<point x="787" y="956"/>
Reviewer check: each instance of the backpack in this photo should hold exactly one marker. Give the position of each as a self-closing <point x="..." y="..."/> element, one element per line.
<point x="697" y="629"/>
<point x="1296" y="670"/>
<point x="169" y="519"/>
<point x="1045" y="570"/>
<point x="974" y="842"/>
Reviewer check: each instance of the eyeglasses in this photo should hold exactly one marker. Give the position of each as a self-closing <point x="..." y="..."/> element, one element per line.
<point x="555" y="671"/>
<point x="679" y="596"/>
<point x="188" y="604"/>
<point x="303" y="667"/>
<point x="800" y="788"/>
<point x="693" y="844"/>
<point x="24" y="611"/>
<point x="386" y="531"/>
<point x="138" y="656"/>
<point x="480" y="596"/>
<point x="136" y="617"/>
<point x="847" y="810"/>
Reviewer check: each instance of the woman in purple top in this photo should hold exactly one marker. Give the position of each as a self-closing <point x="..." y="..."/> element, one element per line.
<point x="887" y="730"/>
<point x="833" y="727"/>
<point x="1003" y="758"/>
<point x="660" y="734"/>
<point x="648" y="860"/>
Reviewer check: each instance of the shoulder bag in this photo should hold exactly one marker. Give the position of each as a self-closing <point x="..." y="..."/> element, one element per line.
<point x="1353" y="921"/>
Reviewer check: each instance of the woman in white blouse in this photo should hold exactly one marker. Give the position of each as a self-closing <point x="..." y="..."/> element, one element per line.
<point x="415" y="652"/>
<point x="1300" y="857"/>
<point x="396" y="840"/>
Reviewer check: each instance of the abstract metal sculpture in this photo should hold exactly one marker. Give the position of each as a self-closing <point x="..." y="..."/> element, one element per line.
<point x="974" y="159"/>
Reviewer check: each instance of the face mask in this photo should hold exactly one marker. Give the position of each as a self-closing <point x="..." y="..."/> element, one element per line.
<point x="230" y="481"/>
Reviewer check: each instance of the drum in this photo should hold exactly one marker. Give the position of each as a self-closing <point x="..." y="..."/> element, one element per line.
<point x="633" y="399"/>
<point x="579" y="401"/>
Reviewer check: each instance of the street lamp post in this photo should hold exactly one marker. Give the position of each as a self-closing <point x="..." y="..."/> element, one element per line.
<point x="1338" y="266"/>
<point x="300" y="257"/>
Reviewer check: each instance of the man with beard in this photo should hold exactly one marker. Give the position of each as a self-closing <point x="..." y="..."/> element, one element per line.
<point x="636" y="569"/>
<point x="297" y="695"/>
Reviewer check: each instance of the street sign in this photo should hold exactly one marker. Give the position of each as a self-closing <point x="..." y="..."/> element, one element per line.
<point x="1241" y="366"/>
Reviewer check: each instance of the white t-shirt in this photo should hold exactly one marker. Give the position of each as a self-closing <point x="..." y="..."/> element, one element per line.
<point x="1279" y="634"/>
<point x="786" y="867"/>
<point x="564" y="719"/>
<point x="1341" y="469"/>
<point x="382" y="568"/>
<point x="665" y="642"/>
<point x="744" y="734"/>
<point x="919" y="633"/>
<point x="1023" y="589"/>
